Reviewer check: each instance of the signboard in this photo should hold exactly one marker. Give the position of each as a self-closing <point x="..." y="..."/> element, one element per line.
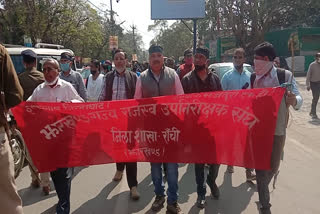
<point x="177" y="9"/>
<point x="134" y="57"/>
<point x="113" y="42"/>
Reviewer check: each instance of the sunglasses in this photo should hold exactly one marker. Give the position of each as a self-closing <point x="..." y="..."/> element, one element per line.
<point x="237" y="57"/>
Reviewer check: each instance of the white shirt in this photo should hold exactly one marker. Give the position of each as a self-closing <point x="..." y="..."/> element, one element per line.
<point x="94" y="88"/>
<point x="63" y="91"/>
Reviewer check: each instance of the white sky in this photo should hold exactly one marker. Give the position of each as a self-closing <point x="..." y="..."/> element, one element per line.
<point x="137" y="12"/>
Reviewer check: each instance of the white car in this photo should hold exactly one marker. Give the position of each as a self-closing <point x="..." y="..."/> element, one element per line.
<point x="54" y="51"/>
<point x="221" y="68"/>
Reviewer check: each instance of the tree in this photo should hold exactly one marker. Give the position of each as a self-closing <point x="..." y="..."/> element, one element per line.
<point x="174" y="40"/>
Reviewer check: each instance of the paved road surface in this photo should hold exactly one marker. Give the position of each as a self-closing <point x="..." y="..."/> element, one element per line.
<point x="297" y="190"/>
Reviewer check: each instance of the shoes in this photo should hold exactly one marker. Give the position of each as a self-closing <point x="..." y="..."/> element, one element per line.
<point x="230" y="169"/>
<point x="174" y="209"/>
<point x="250" y="175"/>
<point x="265" y="210"/>
<point x="201" y="201"/>
<point x="314" y="116"/>
<point x="158" y="203"/>
<point x="134" y="194"/>
<point x="118" y="176"/>
<point x="46" y="190"/>
<point x="215" y="191"/>
<point x="35" y="184"/>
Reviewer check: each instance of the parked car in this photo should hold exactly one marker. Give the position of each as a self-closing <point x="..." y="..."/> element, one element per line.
<point x="221" y="68"/>
<point x="43" y="52"/>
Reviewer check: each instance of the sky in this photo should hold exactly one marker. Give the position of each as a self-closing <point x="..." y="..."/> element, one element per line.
<point x="137" y="12"/>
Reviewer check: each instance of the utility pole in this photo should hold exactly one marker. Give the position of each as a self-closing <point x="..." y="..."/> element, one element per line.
<point x="111" y="18"/>
<point x="134" y="39"/>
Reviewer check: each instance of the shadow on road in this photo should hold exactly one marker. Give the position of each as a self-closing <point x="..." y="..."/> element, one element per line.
<point x="315" y="122"/>
<point x="187" y="185"/>
<point x="30" y="195"/>
<point x="119" y="203"/>
<point x="232" y="199"/>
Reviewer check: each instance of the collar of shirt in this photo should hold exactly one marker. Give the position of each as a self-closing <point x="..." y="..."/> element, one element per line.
<point x="59" y="84"/>
<point x="71" y="72"/>
<point x="119" y="74"/>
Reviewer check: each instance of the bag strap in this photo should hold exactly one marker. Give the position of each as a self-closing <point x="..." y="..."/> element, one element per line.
<point x="281" y="73"/>
<point x="252" y="79"/>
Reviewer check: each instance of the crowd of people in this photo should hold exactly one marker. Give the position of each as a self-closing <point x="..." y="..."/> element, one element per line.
<point x="59" y="83"/>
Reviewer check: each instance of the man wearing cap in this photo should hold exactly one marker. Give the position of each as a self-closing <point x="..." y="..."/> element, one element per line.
<point x="156" y="81"/>
<point x="29" y="80"/>
<point x="188" y="64"/>
<point x="201" y="79"/>
<point x="10" y="201"/>
<point x="71" y="76"/>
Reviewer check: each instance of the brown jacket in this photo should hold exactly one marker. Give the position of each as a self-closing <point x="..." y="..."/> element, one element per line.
<point x="9" y="83"/>
<point x="29" y="80"/>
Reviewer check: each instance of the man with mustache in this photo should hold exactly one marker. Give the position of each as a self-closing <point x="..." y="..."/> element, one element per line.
<point x="236" y="79"/>
<point x="188" y="64"/>
<point x="120" y="84"/>
<point x="160" y="80"/>
<point x="94" y="83"/>
<point x="55" y="90"/>
<point x="201" y="79"/>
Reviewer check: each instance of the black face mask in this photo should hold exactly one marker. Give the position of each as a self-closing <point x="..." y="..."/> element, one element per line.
<point x="198" y="68"/>
<point x="93" y="72"/>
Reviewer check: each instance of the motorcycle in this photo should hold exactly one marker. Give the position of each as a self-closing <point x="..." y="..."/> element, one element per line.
<point x="17" y="144"/>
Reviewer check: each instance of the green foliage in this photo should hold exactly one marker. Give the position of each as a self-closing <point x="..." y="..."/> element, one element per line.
<point x="72" y="23"/>
<point x="174" y="39"/>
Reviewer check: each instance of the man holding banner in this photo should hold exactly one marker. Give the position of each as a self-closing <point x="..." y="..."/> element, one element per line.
<point x="55" y="89"/>
<point x="196" y="81"/>
<point x="267" y="76"/>
<point x="159" y="80"/>
<point x="236" y="79"/>
<point x="120" y="84"/>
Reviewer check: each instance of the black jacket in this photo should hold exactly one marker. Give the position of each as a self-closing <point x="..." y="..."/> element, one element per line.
<point x="130" y="81"/>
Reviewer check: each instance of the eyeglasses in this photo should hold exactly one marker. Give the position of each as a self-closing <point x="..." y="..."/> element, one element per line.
<point x="237" y="57"/>
<point x="48" y="69"/>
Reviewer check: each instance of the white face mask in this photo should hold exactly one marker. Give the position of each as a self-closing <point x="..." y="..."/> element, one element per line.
<point x="261" y="67"/>
<point x="51" y="83"/>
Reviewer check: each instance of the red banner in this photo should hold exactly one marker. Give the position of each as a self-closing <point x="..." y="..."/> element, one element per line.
<point x="231" y="127"/>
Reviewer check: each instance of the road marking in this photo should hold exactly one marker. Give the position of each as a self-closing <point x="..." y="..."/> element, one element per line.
<point x="305" y="148"/>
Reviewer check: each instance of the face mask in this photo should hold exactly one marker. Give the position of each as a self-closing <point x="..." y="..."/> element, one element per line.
<point x="93" y="72"/>
<point x="199" y="67"/>
<point x="318" y="60"/>
<point x="262" y="67"/>
<point x="51" y="83"/>
<point x="65" y="67"/>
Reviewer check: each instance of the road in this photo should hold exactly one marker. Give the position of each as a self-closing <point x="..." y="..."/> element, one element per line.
<point x="297" y="190"/>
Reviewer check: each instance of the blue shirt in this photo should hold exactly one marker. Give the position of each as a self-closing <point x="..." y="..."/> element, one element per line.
<point x="233" y="80"/>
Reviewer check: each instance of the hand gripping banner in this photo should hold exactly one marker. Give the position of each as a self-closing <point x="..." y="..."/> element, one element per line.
<point x="230" y="127"/>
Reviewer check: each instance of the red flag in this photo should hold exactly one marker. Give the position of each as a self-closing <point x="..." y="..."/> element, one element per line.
<point x="231" y="127"/>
